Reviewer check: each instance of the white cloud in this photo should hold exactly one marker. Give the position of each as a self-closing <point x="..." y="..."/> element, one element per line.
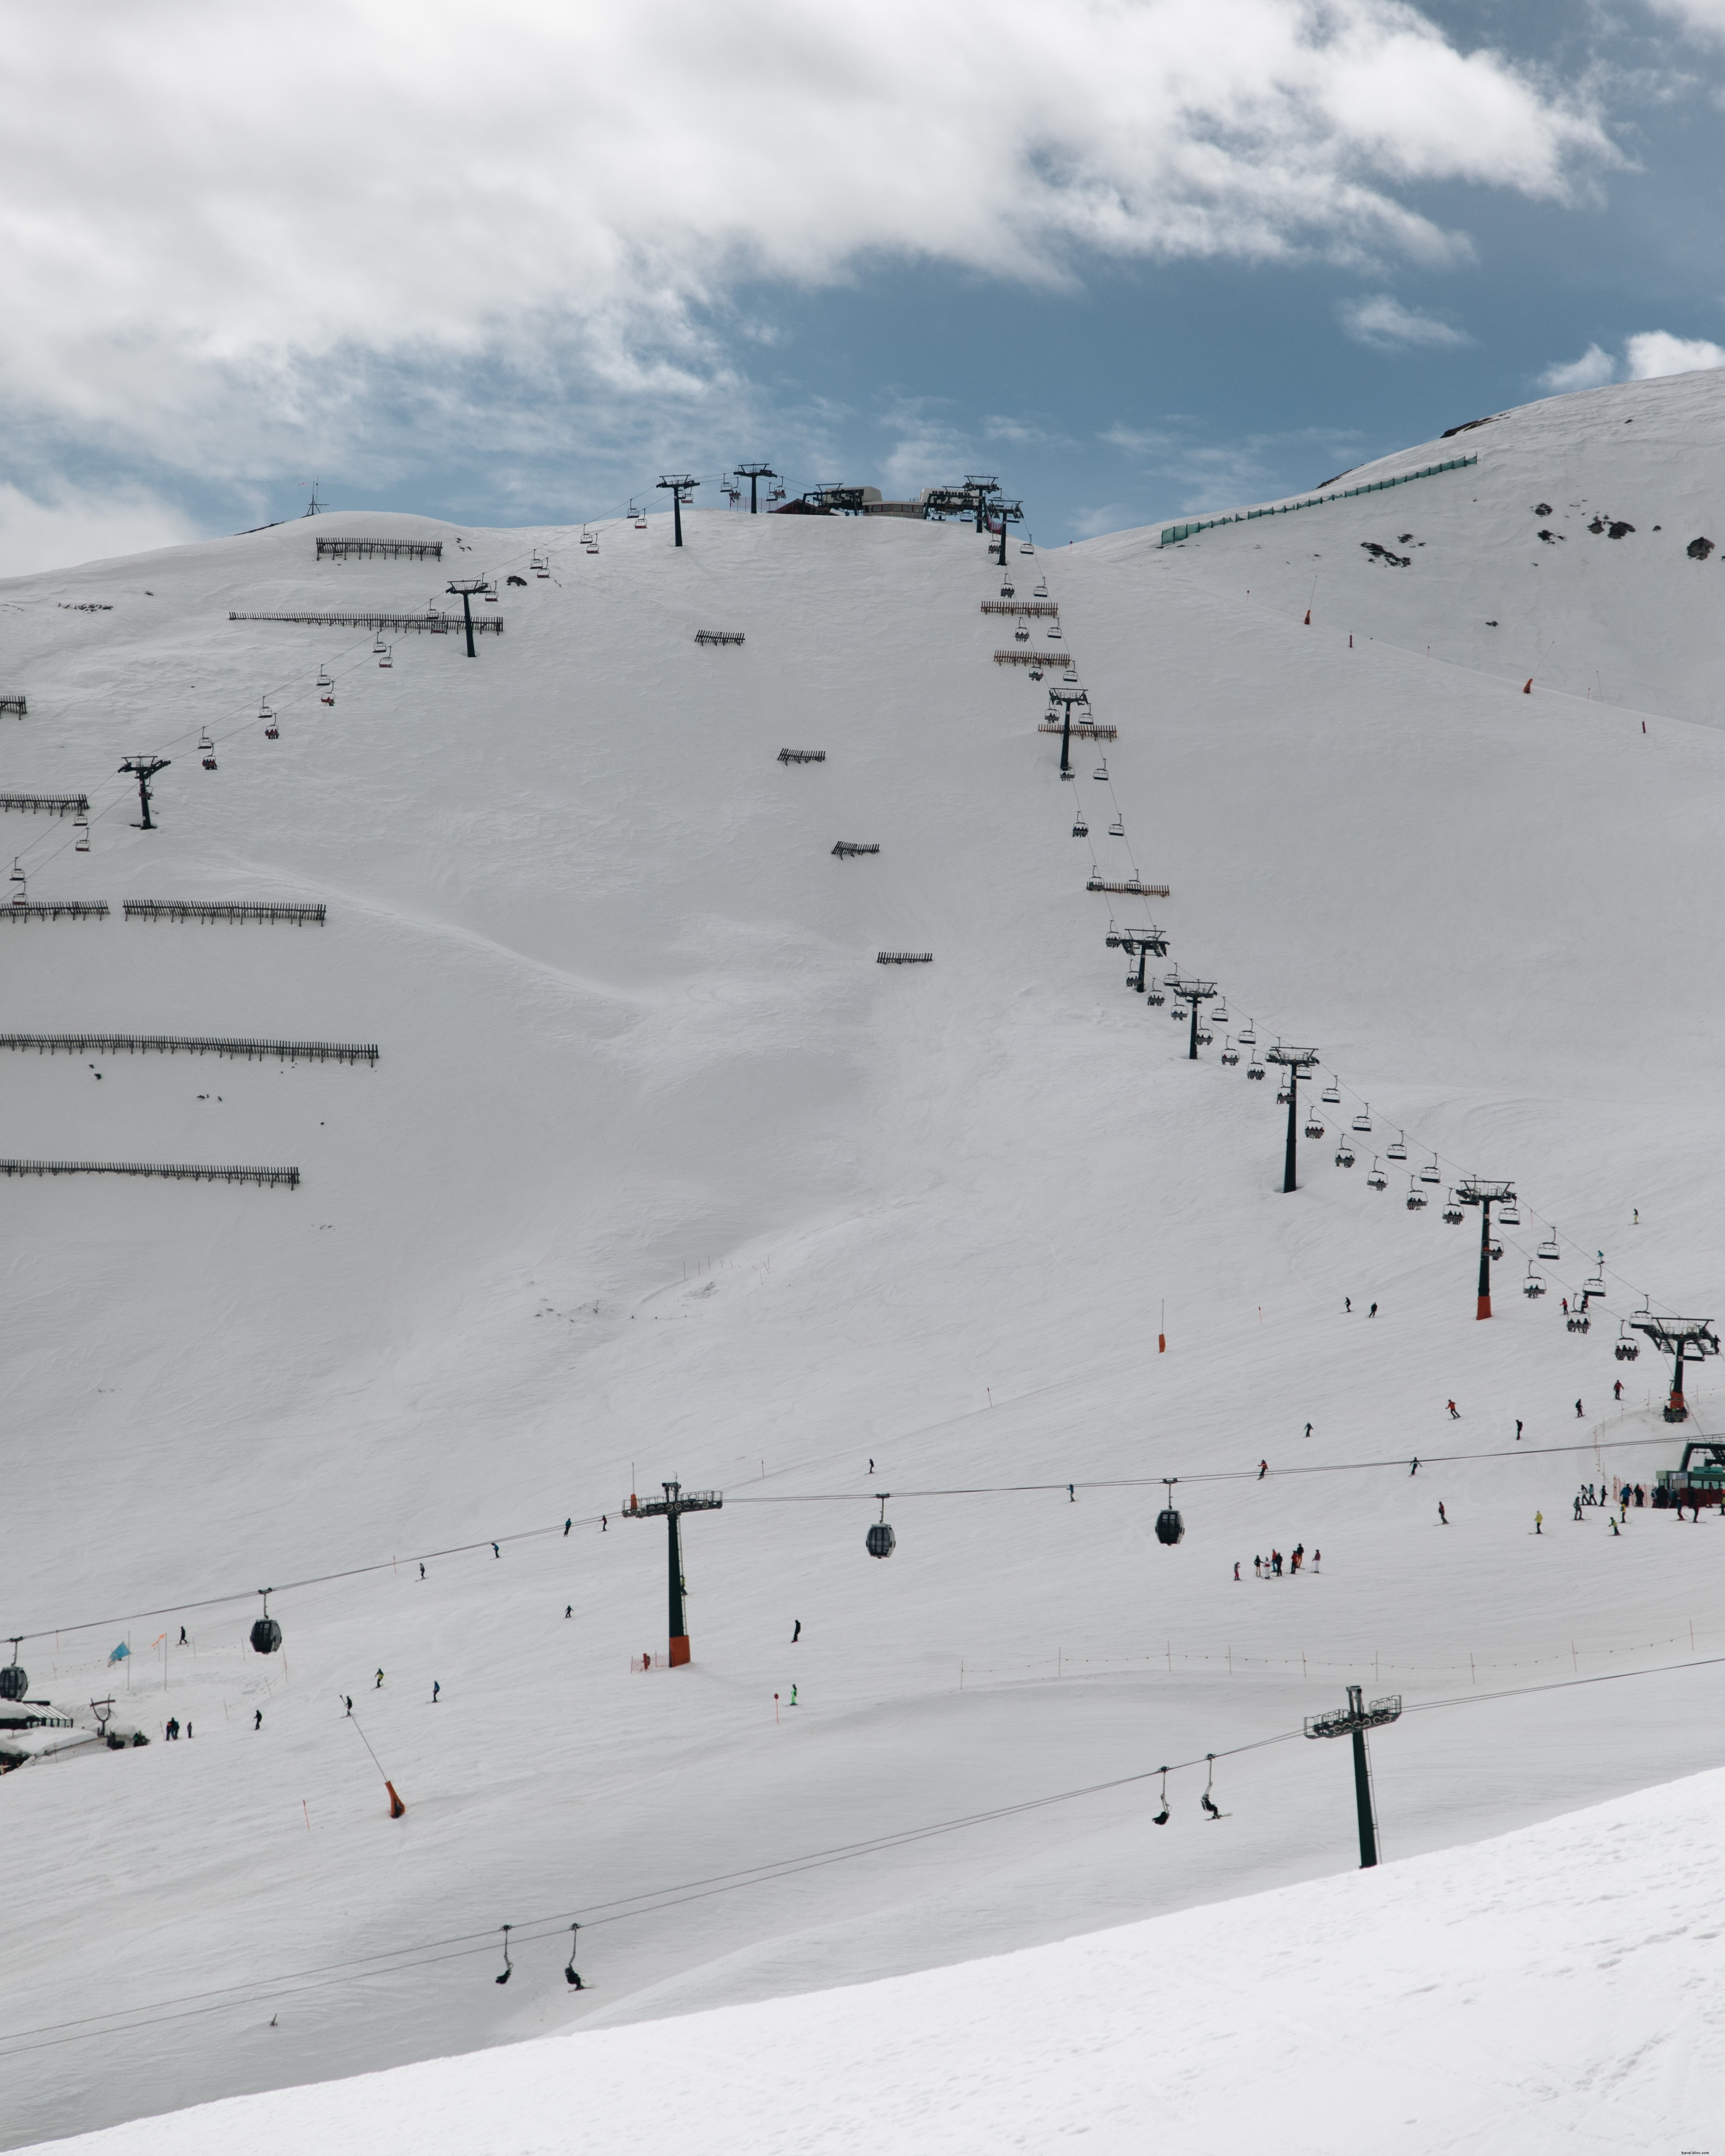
<point x="1656" y="352"/>
<point x="1592" y="371"/>
<point x="1706" y="18"/>
<point x="76" y="524"/>
<point x="237" y="236"/>
<point x="1384" y="322"/>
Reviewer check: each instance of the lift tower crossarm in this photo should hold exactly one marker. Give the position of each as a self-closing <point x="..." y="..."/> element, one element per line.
<point x="1471" y="1191"/>
<point x="675" y="1502"/>
<point x="1296" y="1061"/>
<point x="1685" y="1340"/>
<point x="144" y="769"/>
<point x="1353" y="1721"/>
<point x="1140" y="944"/>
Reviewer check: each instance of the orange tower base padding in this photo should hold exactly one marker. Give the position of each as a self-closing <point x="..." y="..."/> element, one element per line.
<point x="679" y="1650"/>
<point x="1485" y="1308"/>
<point x="397" y="1809"/>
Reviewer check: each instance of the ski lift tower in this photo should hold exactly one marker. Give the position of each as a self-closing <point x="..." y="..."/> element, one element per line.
<point x="1353" y="1721"/>
<point x="1297" y="1062"/>
<point x="979" y="486"/>
<point x="144" y="769"/>
<point x="467" y="589"/>
<point x="1471" y="1191"/>
<point x="1009" y="512"/>
<point x="682" y="487"/>
<point x="1143" y="942"/>
<point x="1066" y="698"/>
<point x="675" y="1502"/>
<point x="1685" y="1340"/>
<point x="1197" y="992"/>
<point x="754" y="474"/>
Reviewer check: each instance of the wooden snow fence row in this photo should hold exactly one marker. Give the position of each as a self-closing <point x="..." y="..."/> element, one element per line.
<point x="436" y="624"/>
<point x="195" y="909"/>
<point x="14" y="707"/>
<point x="176" y="1171"/>
<point x="1132" y="888"/>
<point x="1028" y="658"/>
<point x="168" y="1043"/>
<point x="1082" y="730"/>
<point x="46" y="805"/>
<point x="718" y="636"/>
<point x="847" y="850"/>
<point x="1020" y="606"/>
<point x="56" y="909"/>
<point x="802" y="755"/>
<point x="388" y="550"/>
<point x="904" y="958"/>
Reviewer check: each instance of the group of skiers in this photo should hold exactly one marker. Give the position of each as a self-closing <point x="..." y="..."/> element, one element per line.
<point x="1270" y="1566"/>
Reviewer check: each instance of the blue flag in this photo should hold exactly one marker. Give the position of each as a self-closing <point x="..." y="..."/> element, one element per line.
<point x="120" y="1653"/>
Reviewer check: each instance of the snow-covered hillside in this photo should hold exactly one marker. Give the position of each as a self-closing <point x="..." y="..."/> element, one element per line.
<point x="660" y="1174"/>
<point x="1553" y="1988"/>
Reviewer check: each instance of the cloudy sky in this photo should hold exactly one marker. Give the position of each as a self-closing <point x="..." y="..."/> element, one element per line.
<point x="508" y="265"/>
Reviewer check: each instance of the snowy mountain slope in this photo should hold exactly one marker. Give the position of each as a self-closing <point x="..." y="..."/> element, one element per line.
<point x="1550" y="1989"/>
<point x="1562" y="555"/>
<point x="660" y="1174"/>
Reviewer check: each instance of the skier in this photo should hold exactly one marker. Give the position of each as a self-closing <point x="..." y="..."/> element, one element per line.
<point x="378" y="1687"/>
<point x="1263" y="1469"/>
<point x="1614" y="1527"/>
<point x="1373" y="1311"/>
<point x="1518" y="1429"/>
<point x="1617" y="1390"/>
<point x="605" y="1523"/>
<point x="1455" y="1412"/>
<point x="1566" y="1306"/>
<point x="1577" y="1508"/>
<point x="798" y="1633"/>
<point x="1415" y="1469"/>
<point x="1071" y="1495"/>
<point x="1299" y="1555"/>
<point x="1236" y="1568"/>
<point x="182" y="1635"/>
<point x="1317" y="1558"/>
<point x="568" y="1609"/>
<point x="348" y="1696"/>
<point x="173" y="1730"/>
<point x="435" y="1689"/>
<point x="258" y="1719"/>
<point x="496" y="1552"/>
<point x="567" y="1524"/>
<point x="794" y="1695"/>
<point x="189" y="1732"/>
<point x="1442" y="1515"/>
<point x="1539" y="1523"/>
<point x="1257" y="1568"/>
<point x="1577" y="1411"/>
<point x="1347" y="1302"/>
<point x="1637" y="1222"/>
<point x="422" y="1571"/>
<point x="871" y="1467"/>
<point x="1308" y="1429"/>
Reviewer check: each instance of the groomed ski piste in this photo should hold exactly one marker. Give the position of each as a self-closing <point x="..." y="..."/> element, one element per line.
<point x="660" y="1175"/>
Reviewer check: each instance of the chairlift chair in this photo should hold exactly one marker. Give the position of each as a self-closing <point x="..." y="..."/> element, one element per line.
<point x="1071" y="674"/>
<point x="1549" y="1254"/>
<point x="21" y="896"/>
<point x="272" y="731"/>
<point x="1429" y="1173"/>
<point x="1230" y="1054"/>
<point x="1452" y="1213"/>
<point x="1116" y="829"/>
<point x="1081" y="829"/>
<point x="1025" y="548"/>
<point x="327" y="699"/>
<point x="1021" y="634"/>
<point x="1041" y="590"/>
<point x="1627" y="1348"/>
<point x="1177" y="1014"/>
<point x="1006" y="591"/>
<point x="1595" y="1286"/>
<point x="1036" y="675"/>
<point x="537" y="564"/>
<point x="1101" y="773"/>
<point x="1416" y="1196"/>
<point x="1053" y="632"/>
<point x="325" y="679"/>
<point x="1509" y="1216"/>
<point x="1152" y="995"/>
<point x="1219" y="1010"/>
<point x="1362" y="1121"/>
<point x="1344" y="1154"/>
<point x="1205" y="1038"/>
<point x="1377" y="1179"/>
<point x="388" y="657"/>
<point x="1314" y="1129"/>
<point x="1398" y="1151"/>
<point x="1254" y="1069"/>
<point x="80" y="825"/>
<point x="208" y="749"/>
<point x="1248" y="1035"/>
<point x="1495" y="1251"/>
<point x="1331" y="1095"/>
<point x="380" y="647"/>
<point x="1534" y="1284"/>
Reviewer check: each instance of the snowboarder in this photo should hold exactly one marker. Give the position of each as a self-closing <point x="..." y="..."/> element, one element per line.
<point x="435" y="1689"/>
<point x="258" y="1719"/>
<point x="1443" y="1515"/>
<point x="1455" y="1412"/>
<point x="1577" y="1411"/>
<point x="798" y="1633"/>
